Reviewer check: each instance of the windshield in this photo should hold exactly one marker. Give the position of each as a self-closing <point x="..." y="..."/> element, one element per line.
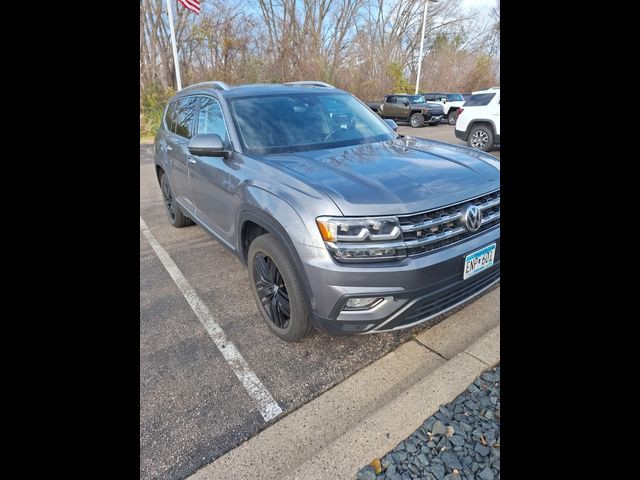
<point x="416" y="98"/>
<point x="454" y="97"/>
<point x="304" y="121"/>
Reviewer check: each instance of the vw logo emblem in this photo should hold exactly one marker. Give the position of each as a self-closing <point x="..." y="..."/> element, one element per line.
<point x="472" y="218"/>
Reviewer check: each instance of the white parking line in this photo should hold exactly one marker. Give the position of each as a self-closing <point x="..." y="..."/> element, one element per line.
<point x="269" y="408"/>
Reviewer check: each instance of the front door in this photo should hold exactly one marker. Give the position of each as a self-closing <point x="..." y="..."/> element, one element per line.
<point x="391" y="107"/>
<point x="209" y="177"/>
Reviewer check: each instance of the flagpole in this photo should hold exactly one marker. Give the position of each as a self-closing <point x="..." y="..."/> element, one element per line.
<point x="173" y="45"/>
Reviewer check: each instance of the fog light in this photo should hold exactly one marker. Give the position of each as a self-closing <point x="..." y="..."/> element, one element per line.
<point x="363" y="303"/>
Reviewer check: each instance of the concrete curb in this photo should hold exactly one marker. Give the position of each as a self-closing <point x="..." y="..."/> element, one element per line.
<point x="368" y="414"/>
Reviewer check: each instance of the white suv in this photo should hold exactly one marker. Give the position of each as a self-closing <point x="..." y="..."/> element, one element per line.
<point x="478" y="121"/>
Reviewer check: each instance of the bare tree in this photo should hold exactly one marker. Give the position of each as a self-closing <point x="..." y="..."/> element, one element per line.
<point x="368" y="47"/>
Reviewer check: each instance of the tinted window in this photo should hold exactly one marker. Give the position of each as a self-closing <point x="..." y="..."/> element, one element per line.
<point x="392" y="99"/>
<point x="454" y="97"/>
<point x="479" y="100"/>
<point x="185" y="115"/>
<point x="210" y="118"/>
<point x="431" y="97"/>
<point x="304" y="121"/>
<point x="169" y="118"/>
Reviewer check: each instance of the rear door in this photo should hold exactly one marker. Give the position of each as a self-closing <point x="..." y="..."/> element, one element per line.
<point x="209" y="177"/>
<point x="177" y="139"/>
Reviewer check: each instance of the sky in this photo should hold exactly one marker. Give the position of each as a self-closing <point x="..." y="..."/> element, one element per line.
<point x="484" y="4"/>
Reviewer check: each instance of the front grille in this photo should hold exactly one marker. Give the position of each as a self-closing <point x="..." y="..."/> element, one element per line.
<point x="427" y="231"/>
<point x="443" y="299"/>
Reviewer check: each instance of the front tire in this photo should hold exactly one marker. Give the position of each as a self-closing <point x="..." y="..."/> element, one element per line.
<point x="277" y="289"/>
<point x="481" y="138"/>
<point x="176" y="217"/>
<point x="416" y="120"/>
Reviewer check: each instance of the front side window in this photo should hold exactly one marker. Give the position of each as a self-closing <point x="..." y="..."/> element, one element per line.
<point x="304" y="121"/>
<point x="454" y="97"/>
<point x="479" y="100"/>
<point x="416" y="98"/>
<point x="185" y="114"/>
<point x="210" y="118"/>
<point x="392" y="99"/>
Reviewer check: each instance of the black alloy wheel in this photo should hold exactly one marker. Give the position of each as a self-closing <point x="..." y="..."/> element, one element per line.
<point x="272" y="290"/>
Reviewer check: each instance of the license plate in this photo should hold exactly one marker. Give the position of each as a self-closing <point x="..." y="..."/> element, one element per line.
<point x="478" y="261"/>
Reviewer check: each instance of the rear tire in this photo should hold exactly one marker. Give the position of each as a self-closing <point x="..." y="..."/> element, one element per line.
<point x="176" y="217"/>
<point x="481" y="138"/>
<point x="277" y="289"/>
<point x="416" y="120"/>
<point x="452" y="118"/>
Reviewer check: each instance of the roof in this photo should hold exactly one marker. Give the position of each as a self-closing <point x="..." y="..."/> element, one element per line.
<point x="488" y="90"/>
<point x="255" y="89"/>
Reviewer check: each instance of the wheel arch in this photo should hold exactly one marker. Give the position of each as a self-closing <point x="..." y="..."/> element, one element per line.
<point x="478" y="121"/>
<point x="253" y="222"/>
<point x="159" y="172"/>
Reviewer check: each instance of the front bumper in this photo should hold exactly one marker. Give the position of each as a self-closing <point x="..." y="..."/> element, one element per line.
<point x="418" y="288"/>
<point x="435" y="118"/>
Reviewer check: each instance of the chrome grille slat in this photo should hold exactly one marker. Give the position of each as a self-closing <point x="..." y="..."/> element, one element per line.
<point x="432" y="223"/>
<point x="435" y="237"/>
<point x="494" y="203"/>
<point x="417" y="227"/>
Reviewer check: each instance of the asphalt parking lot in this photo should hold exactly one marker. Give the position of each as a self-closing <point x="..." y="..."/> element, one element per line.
<point x="193" y="408"/>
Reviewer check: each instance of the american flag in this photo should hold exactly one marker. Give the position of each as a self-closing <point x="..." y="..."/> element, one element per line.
<point x="193" y="5"/>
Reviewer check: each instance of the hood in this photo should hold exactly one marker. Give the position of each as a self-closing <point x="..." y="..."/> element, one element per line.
<point x="394" y="177"/>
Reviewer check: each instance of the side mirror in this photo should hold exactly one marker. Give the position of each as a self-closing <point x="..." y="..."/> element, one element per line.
<point x="406" y="103"/>
<point x="391" y="124"/>
<point x="443" y="100"/>
<point x="208" y="145"/>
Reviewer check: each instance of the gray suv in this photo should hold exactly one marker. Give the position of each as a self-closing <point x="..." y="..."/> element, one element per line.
<point x="343" y="224"/>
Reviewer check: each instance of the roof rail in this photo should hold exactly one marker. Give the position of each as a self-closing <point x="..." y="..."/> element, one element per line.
<point x="215" y="84"/>
<point x="311" y="83"/>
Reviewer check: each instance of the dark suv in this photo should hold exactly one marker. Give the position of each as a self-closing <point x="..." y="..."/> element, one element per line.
<point x="344" y="224"/>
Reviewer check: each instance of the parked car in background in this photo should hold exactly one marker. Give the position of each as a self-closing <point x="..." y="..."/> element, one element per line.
<point x="342" y="223"/>
<point x="412" y="108"/>
<point x="478" y="121"/>
<point x="450" y="102"/>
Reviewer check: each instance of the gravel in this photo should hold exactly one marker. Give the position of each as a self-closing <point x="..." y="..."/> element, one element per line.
<point x="461" y="441"/>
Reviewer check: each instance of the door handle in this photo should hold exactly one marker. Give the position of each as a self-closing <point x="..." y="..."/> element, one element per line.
<point x="191" y="159"/>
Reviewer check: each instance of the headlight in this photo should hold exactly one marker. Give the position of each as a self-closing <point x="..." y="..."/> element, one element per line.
<point x="353" y="239"/>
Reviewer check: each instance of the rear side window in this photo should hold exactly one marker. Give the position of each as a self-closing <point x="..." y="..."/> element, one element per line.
<point x="479" y="100"/>
<point x="169" y="117"/>
<point x="210" y="118"/>
<point x="185" y="115"/>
